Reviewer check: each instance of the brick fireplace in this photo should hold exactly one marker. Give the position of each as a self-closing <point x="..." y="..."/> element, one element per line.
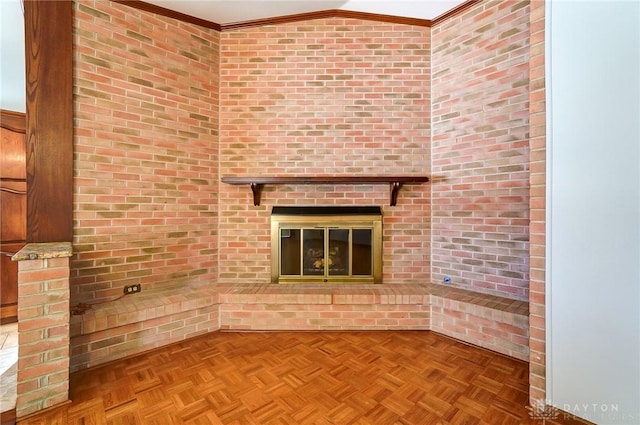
<point x="159" y="124"/>
<point x="331" y="96"/>
<point x="314" y="98"/>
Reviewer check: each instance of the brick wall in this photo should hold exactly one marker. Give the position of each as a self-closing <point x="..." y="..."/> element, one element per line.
<point x="146" y="157"/>
<point x="480" y="149"/>
<point x="324" y="97"/>
<point x="43" y="333"/>
<point x="327" y="96"/>
<point x="537" y="344"/>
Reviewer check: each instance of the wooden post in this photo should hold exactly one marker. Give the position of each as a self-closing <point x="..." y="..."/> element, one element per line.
<point x="49" y="135"/>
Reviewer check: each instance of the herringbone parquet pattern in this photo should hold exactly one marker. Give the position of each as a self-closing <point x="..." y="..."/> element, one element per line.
<point x="304" y="378"/>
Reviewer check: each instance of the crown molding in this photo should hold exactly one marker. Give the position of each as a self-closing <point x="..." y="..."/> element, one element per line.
<point x="455" y="11"/>
<point x="332" y="13"/>
<point x="324" y="14"/>
<point x="148" y="7"/>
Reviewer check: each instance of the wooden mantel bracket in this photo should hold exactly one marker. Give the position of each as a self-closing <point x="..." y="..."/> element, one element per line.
<point x="256" y="188"/>
<point x="395" y="187"/>
<point x="256" y="183"/>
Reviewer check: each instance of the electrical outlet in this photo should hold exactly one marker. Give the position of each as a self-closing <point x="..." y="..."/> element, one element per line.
<point x="447" y="280"/>
<point x="132" y="289"/>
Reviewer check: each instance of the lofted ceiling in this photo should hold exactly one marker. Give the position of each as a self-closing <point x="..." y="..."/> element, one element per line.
<point x="225" y="12"/>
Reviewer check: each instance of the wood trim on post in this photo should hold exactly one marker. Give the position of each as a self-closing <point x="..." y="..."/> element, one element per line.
<point x="14" y="121"/>
<point x="49" y="135"/>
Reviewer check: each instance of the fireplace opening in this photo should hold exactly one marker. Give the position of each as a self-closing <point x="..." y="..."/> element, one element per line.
<point x="326" y="245"/>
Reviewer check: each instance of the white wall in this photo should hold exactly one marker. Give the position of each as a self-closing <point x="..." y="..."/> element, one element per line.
<point x="12" y="68"/>
<point x="593" y="274"/>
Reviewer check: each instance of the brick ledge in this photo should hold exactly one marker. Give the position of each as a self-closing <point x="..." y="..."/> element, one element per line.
<point x="260" y="293"/>
<point x="146" y="305"/>
<point x="154" y="318"/>
<point x="176" y="299"/>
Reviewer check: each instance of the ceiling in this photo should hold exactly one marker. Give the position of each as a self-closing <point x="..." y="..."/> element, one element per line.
<point x="226" y="12"/>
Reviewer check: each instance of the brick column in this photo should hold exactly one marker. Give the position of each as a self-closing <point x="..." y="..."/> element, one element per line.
<point x="43" y="326"/>
<point x="537" y="205"/>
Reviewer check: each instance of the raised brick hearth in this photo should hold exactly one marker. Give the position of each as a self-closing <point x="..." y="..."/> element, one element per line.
<point x="154" y="318"/>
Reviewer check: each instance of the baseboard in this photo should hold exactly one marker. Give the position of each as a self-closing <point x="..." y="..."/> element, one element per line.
<point x="8" y="417"/>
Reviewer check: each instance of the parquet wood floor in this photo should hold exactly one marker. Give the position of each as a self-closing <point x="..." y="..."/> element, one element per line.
<point x="289" y="378"/>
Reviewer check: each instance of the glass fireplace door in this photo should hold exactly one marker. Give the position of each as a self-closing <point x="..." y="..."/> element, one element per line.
<point x="312" y="254"/>
<point x="326" y="244"/>
<point x="325" y="254"/>
<point x="339" y="252"/>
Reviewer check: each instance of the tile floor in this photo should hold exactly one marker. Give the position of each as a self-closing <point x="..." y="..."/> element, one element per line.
<point x="8" y="366"/>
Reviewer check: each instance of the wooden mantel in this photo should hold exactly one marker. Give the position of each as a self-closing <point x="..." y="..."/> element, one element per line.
<point x="256" y="183"/>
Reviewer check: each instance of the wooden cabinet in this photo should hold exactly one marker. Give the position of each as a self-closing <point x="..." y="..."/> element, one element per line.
<point x="13" y="208"/>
